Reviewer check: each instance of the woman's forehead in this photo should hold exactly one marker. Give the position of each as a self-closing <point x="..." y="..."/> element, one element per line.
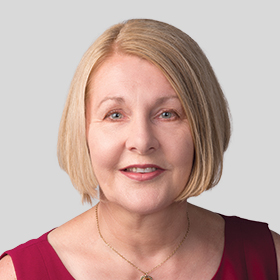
<point x="122" y="75"/>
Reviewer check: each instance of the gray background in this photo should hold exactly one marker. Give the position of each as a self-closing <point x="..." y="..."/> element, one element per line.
<point x="41" y="45"/>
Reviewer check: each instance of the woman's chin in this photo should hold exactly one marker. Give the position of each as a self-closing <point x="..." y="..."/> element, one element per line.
<point x="141" y="205"/>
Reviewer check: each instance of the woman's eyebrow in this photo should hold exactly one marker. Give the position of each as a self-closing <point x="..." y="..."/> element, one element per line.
<point x="163" y="99"/>
<point x="120" y="100"/>
<point x="117" y="99"/>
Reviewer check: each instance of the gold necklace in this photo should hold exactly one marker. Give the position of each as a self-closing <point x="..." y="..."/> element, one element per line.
<point x="146" y="275"/>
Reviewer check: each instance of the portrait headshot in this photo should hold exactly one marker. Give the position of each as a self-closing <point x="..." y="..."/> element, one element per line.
<point x="140" y="141"/>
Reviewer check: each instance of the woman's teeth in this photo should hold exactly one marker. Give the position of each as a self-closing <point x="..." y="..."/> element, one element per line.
<point x="141" y="170"/>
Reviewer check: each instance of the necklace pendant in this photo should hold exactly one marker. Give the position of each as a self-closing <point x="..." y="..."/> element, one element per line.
<point x="146" y="277"/>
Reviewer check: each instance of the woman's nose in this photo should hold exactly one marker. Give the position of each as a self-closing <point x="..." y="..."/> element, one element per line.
<point x="141" y="136"/>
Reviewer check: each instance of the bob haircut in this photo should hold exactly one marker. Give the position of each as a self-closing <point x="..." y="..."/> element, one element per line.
<point x="189" y="72"/>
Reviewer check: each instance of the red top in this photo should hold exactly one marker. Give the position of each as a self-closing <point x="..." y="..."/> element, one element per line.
<point x="249" y="253"/>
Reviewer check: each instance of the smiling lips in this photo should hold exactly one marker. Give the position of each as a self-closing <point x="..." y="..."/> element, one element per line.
<point x="142" y="172"/>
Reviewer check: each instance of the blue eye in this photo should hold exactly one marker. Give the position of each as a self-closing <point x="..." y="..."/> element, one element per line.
<point x="116" y="116"/>
<point x="167" y="115"/>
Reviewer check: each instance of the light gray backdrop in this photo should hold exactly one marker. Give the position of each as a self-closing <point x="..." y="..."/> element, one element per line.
<point x="41" y="45"/>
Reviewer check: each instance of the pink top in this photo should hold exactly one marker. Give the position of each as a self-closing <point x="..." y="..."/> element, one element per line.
<point x="249" y="253"/>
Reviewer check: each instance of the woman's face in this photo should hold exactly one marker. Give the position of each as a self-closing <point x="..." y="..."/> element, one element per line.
<point x="139" y="139"/>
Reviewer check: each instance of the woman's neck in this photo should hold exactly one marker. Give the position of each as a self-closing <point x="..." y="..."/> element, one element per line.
<point x="143" y="235"/>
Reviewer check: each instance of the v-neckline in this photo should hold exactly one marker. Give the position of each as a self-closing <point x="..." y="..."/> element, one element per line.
<point x="68" y="275"/>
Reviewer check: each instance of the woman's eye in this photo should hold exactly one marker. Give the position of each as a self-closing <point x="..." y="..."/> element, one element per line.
<point x="114" y="115"/>
<point x="168" y="115"/>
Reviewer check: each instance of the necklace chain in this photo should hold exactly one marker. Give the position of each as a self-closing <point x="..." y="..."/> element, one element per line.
<point x="131" y="263"/>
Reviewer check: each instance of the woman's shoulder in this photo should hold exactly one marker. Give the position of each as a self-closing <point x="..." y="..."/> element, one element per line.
<point x="276" y="239"/>
<point x="207" y="219"/>
<point x="243" y="235"/>
<point x="72" y="231"/>
<point x="57" y="242"/>
<point x="7" y="270"/>
<point x="20" y="254"/>
<point x="75" y="237"/>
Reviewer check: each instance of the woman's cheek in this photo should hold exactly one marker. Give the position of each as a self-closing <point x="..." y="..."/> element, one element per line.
<point x="105" y="147"/>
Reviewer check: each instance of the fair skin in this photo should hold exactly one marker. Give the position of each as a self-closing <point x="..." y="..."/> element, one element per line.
<point x="142" y="151"/>
<point x="135" y="120"/>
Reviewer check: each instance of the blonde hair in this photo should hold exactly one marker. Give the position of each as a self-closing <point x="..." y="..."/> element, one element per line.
<point x="188" y="70"/>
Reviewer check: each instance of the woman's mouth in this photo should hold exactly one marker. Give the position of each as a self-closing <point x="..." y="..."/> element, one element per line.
<point x="142" y="172"/>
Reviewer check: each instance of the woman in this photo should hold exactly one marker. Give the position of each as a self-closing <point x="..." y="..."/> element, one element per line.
<point x="147" y="122"/>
